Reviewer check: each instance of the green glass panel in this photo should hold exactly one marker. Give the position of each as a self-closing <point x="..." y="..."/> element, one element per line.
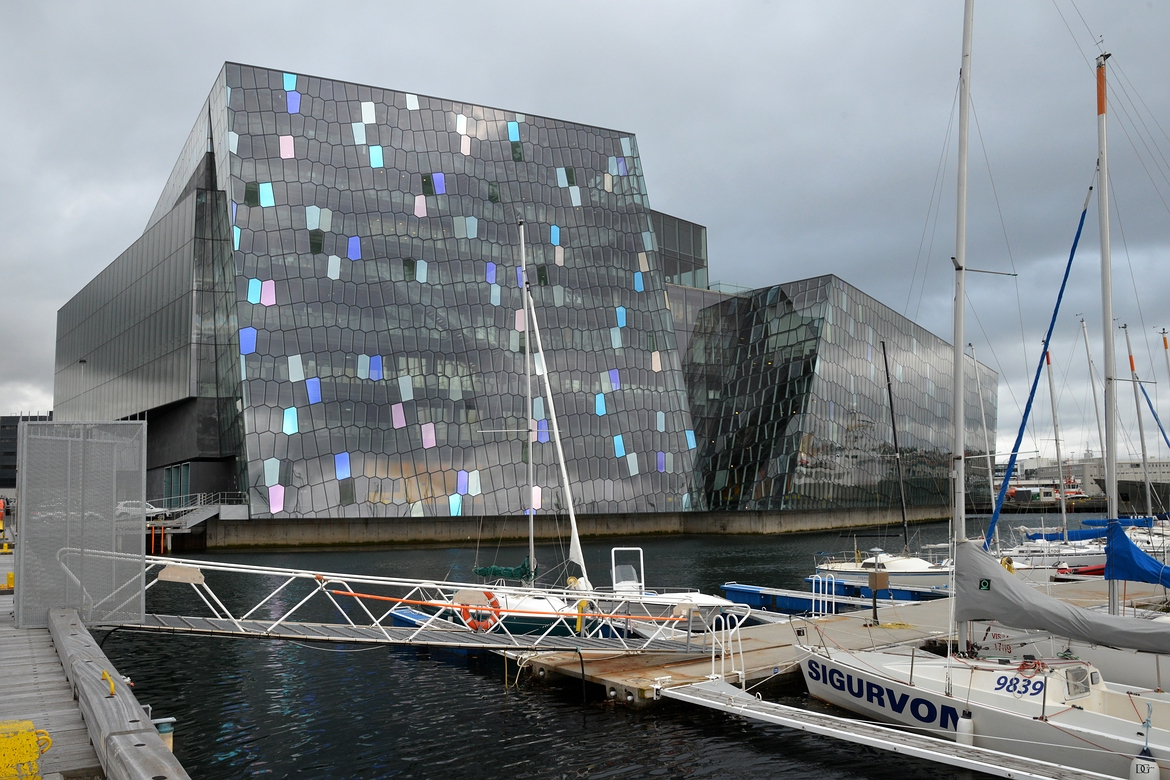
<point x="252" y="194"/>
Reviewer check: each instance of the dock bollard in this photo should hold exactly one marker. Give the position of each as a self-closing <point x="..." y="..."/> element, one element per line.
<point x="166" y="730"/>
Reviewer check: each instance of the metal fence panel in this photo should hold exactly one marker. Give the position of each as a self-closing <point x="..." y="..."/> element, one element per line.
<point x="81" y="521"/>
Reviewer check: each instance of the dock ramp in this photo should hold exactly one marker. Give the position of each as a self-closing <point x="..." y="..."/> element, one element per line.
<point x="720" y="695"/>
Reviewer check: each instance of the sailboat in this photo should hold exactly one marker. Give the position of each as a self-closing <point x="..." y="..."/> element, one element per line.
<point x="1058" y="710"/>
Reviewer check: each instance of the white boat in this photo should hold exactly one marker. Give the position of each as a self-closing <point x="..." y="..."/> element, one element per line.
<point x="902" y="569"/>
<point x="1057" y="711"/>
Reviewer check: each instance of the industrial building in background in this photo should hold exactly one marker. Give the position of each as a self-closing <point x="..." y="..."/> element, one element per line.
<point x="324" y="314"/>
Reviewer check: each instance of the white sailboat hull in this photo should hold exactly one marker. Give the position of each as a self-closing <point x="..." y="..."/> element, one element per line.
<point x="878" y="686"/>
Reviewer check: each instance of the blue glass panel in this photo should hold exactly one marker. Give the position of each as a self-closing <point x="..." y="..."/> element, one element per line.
<point x="375" y="367"/>
<point x="621" y="316"/>
<point x="513" y="131"/>
<point x="621" y="167"/>
<point x="294" y="103"/>
<point x="341" y="465"/>
<point x="599" y="404"/>
<point x="313" y="387"/>
<point x="247" y="341"/>
<point x="235" y="237"/>
<point x="520" y="277"/>
<point x="615" y="379"/>
<point x="555" y="235"/>
<point x="266" y="196"/>
<point x="691" y="439"/>
<point x="456" y="503"/>
<point x="490" y="277"/>
<point x="638" y="285"/>
<point x="254" y="286"/>
<point x="619" y="447"/>
<point x="290" y="82"/>
<point x="542" y="430"/>
<point x="440" y="182"/>
<point x="495" y="299"/>
<point x="660" y="420"/>
<point x="290" y="420"/>
<point x="472" y="227"/>
<point x="461" y="483"/>
<point x="354" y="251"/>
<point x="661" y="461"/>
<point x="375" y="157"/>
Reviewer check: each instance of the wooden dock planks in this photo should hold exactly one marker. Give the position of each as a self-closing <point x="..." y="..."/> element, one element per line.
<point x="35" y="689"/>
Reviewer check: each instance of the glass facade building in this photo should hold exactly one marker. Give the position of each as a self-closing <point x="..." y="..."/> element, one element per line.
<point x="325" y="309"/>
<point x="787" y="389"/>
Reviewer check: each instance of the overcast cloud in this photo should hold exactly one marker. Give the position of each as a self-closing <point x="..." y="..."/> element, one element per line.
<point x="805" y="136"/>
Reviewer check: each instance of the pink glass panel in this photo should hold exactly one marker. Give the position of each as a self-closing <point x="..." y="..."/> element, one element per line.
<point x="420" y="205"/>
<point x="286" y="147"/>
<point x="276" y="498"/>
<point x="268" y="293"/>
<point x="428" y="434"/>
<point x="398" y="415"/>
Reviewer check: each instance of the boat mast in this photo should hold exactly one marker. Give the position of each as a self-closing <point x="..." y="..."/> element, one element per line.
<point x="897" y="453"/>
<point x="1093" y="384"/>
<point x="960" y="261"/>
<point x="1056" y="435"/>
<point x="986" y="439"/>
<point x="530" y="423"/>
<point x="1107" y="315"/>
<point x="542" y="369"/>
<point x="1166" y="351"/>
<point x="1137" y="401"/>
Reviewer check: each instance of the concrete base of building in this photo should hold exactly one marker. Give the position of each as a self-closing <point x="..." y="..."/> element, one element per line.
<point x="223" y="533"/>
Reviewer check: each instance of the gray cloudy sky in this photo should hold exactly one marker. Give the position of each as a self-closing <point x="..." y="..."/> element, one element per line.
<point x="805" y="136"/>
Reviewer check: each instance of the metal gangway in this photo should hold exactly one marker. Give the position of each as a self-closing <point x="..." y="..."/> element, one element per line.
<point x="368" y="609"/>
<point x="716" y="693"/>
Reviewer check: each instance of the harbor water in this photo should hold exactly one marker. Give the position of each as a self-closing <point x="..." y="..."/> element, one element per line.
<point x="256" y="708"/>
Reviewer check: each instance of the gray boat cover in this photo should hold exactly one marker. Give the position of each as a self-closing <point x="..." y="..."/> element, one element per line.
<point x="985" y="590"/>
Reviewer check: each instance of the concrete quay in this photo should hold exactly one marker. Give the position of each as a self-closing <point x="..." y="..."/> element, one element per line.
<point x="268" y="532"/>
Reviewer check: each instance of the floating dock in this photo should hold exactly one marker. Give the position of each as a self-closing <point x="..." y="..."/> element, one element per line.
<point x="772" y="652"/>
<point x="43" y="667"/>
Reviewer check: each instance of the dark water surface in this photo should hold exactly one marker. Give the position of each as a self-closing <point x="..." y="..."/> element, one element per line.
<point x="277" y="709"/>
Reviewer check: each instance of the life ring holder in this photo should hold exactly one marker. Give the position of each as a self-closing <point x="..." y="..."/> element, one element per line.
<point x="492" y="608"/>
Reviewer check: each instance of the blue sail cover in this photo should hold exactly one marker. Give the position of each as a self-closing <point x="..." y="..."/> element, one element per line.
<point x="1126" y="522"/>
<point x="1073" y="536"/>
<point x="1124" y="561"/>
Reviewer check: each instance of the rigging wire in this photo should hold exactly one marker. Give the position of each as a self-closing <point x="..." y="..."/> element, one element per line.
<point x="939" y="179"/>
<point x="1011" y="257"/>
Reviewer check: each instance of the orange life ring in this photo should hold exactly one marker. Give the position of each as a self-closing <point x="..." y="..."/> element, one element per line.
<point x="492" y="618"/>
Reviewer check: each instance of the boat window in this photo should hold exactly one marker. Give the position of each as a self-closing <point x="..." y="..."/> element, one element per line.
<point x="625" y="574"/>
<point x="1076" y="681"/>
<point x="867" y="565"/>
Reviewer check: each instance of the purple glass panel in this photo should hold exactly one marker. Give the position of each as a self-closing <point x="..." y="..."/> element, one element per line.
<point x="542" y="430"/>
<point x="461" y="483"/>
<point x="491" y="273"/>
<point x="622" y="170"/>
<point x="355" y="248"/>
<point x="662" y="461"/>
<point x="440" y="183"/>
<point x="398" y="415"/>
<point x="294" y="102"/>
<point x="614" y="379"/>
<point x="233" y="211"/>
<point x="520" y="277"/>
<point x="247" y="341"/>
